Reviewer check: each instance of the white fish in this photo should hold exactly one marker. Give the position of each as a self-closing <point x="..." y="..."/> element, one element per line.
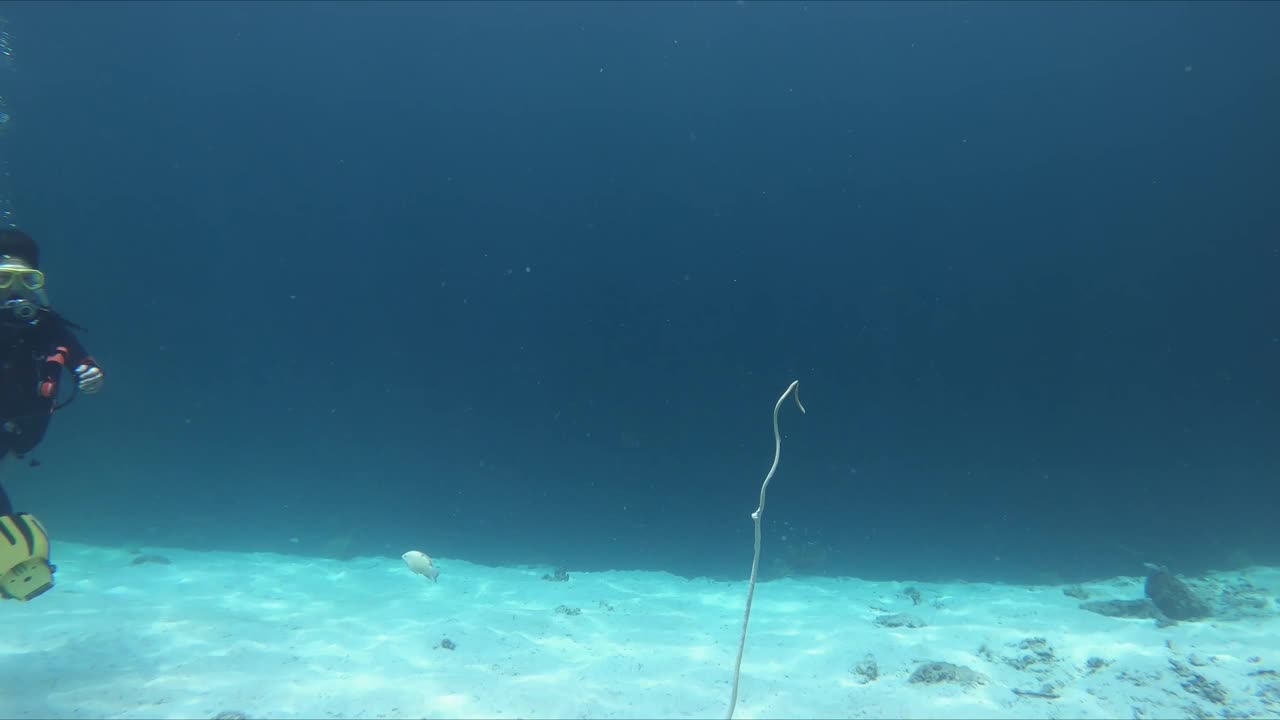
<point x="420" y="563"/>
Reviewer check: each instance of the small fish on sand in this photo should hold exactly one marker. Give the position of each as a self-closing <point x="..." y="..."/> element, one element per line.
<point x="420" y="563"/>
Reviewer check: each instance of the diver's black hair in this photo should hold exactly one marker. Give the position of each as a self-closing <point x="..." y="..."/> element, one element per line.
<point x="15" y="243"/>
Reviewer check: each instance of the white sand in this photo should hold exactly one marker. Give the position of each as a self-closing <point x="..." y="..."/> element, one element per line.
<point x="274" y="636"/>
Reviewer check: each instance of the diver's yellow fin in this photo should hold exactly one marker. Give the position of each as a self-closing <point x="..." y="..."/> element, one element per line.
<point x="25" y="571"/>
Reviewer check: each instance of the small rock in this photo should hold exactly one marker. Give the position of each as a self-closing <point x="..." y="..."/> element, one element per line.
<point x="868" y="669"/>
<point x="1095" y="664"/>
<point x="1173" y="597"/>
<point x="1038" y="653"/>
<point x="561" y="575"/>
<point x="566" y="610"/>
<point x="898" y="620"/>
<point x="1139" y="609"/>
<point x="1197" y="684"/>
<point x="1077" y="592"/>
<point x="1046" y="692"/>
<point x="448" y="644"/>
<point x="154" y="559"/>
<point x="933" y="673"/>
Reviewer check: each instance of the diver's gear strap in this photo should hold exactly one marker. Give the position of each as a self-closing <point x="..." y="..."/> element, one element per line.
<point x="53" y="366"/>
<point x="25" y="571"/>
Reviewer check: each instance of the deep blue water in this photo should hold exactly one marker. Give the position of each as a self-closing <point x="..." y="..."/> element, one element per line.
<point x="521" y="282"/>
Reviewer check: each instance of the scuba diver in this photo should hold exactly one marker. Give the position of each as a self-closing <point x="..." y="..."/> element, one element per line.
<point x="36" y="346"/>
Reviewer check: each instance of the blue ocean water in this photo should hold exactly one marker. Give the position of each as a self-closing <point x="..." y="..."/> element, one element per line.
<point x="523" y="281"/>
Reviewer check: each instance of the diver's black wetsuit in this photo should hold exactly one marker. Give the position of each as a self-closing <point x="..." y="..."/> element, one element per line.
<point x="32" y="358"/>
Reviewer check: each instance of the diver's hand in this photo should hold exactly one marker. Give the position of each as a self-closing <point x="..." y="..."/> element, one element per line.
<point x="90" y="378"/>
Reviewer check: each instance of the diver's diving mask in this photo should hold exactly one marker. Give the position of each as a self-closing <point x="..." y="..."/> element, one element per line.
<point x="23" y="277"/>
<point x="21" y="289"/>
